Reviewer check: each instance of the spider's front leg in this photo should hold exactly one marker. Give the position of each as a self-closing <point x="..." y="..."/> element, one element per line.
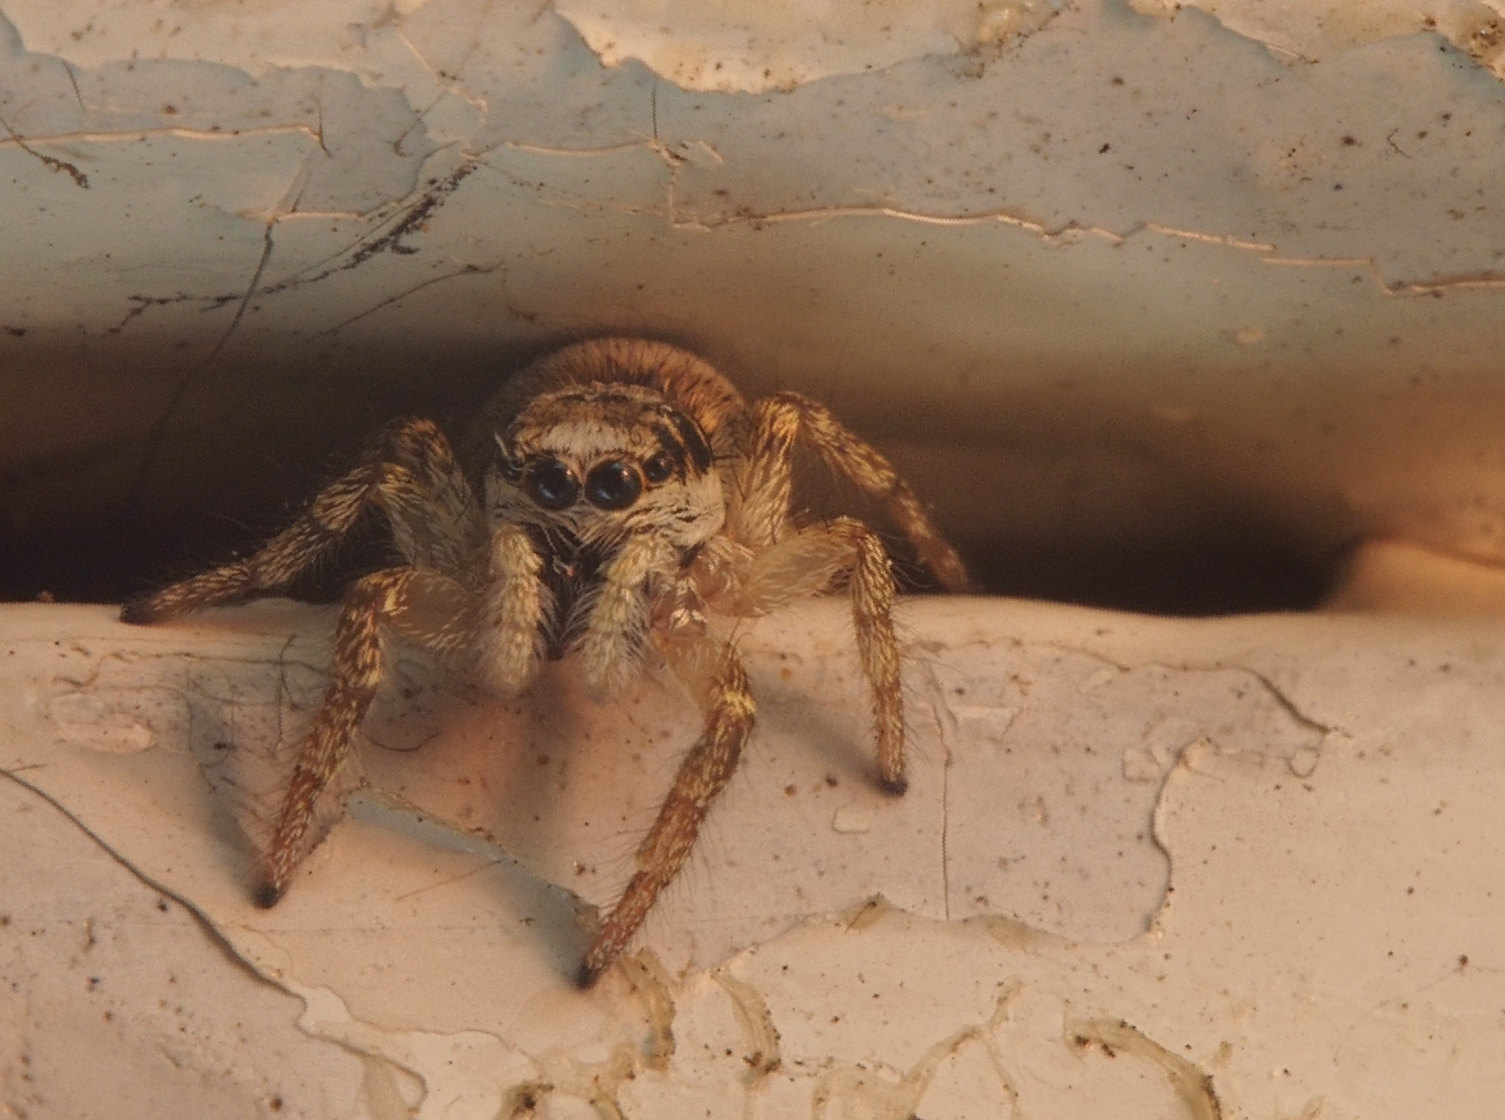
<point x="426" y="607"/>
<point x="719" y="681"/>
<point x="434" y="612"/>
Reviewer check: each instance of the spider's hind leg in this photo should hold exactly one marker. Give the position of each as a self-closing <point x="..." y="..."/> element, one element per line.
<point x="407" y="469"/>
<point x="766" y="481"/>
<point x="791" y="563"/>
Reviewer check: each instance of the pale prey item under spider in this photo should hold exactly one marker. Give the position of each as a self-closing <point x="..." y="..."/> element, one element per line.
<point x="613" y="497"/>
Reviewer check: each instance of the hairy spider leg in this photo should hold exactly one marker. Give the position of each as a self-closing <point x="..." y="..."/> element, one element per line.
<point x="356" y="666"/>
<point x="809" y="561"/>
<point x="408" y="468"/>
<point x="403" y="599"/>
<point x="729" y="712"/>
<point x="409" y="472"/>
<point x="799" y="562"/>
<point x="766" y="481"/>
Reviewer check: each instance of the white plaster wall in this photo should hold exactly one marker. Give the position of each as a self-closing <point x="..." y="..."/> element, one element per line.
<point x="1159" y="868"/>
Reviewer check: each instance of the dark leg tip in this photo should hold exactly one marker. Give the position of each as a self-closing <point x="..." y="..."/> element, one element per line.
<point x="267" y="895"/>
<point x="586" y="977"/>
<point x="137" y="611"/>
<point x="894" y="787"/>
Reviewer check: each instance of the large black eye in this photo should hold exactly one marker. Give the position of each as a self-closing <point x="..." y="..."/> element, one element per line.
<point x="612" y="485"/>
<point x="552" y="484"/>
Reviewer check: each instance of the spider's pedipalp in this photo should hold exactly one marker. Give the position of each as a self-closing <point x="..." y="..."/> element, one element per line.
<point x="617" y="615"/>
<point x="513" y="613"/>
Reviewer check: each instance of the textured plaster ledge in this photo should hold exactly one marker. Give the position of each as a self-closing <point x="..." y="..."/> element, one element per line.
<point x="1238" y="868"/>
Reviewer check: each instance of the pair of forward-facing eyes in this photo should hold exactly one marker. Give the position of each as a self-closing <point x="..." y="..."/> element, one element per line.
<point x="611" y="484"/>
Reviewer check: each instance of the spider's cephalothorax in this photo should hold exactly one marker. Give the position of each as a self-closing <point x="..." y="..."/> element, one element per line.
<point x="587" y="468"/>
<point x="603" y="462"/>
<point x="614" y="498"/>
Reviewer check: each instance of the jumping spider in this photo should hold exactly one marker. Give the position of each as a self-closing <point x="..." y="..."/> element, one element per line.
<point x="613" y="495"/>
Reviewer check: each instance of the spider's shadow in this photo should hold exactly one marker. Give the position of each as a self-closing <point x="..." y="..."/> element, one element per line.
<point x="827" y="732"/>
<point x="244" y="750"/>
<point x="554" y="916"/>
<point x="245" y="744"/>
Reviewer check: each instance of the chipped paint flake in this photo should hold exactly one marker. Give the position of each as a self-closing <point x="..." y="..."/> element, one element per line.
<point x="737" y="47"/>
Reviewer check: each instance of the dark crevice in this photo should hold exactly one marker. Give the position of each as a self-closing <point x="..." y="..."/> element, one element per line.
<point x="1204" y="578"/>
<point x="94" y="560"/>
<point x="246" y="445"/>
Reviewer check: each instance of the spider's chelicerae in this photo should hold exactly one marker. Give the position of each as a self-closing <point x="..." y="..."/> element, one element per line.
<point x="613" y="496"/>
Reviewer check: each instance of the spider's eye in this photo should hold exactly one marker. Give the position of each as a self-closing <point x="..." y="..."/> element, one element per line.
<point x="509" y="468"/>
<point x="552" y="485"/>
<point x="658" y="468"/>
<point x="612" y="485"/>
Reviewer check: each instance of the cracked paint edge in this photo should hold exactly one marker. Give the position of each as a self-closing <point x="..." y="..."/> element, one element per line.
<point x="751" y="49"/>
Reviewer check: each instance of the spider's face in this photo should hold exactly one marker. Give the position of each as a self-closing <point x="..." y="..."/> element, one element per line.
<point x="602" y="462"/>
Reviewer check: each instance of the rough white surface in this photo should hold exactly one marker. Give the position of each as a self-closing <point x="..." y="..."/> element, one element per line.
<point x="1096" y="272"/>
<point x="1245" y="868"/>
